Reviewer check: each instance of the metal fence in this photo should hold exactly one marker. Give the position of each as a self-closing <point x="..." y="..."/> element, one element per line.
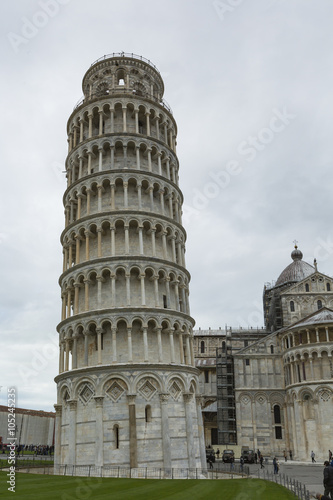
<point x="299" y="489"/>
<point x="149" y="472"/>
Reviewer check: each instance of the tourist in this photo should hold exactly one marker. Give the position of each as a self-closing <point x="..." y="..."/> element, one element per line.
<point x="328" y="479"/>
<point x="313" y="457"/>
<point x="275" y="465"/>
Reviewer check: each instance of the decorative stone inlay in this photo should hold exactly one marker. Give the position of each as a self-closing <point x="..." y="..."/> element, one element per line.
<point x="147" y="389"/>
<point x="245" y="400"/>
<point x="261" y="400"/>
<point x="115" y="390"/>
<point x="175" y="390"/>
<point x="86" y="393"/>
<point x="324" y="395"/>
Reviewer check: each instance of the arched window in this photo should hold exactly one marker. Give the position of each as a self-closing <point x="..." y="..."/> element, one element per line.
<point x="202" y="346"/>
<point x="307" y="288"/>
<point x="148" y="413"/>
<point x="206" y="376"/>
<point x="277" y="414"/>
<point x="292" y="306"/>
<point x="328" y="287"/>
<point x="223" y="346"/>
<point x="116" y="435"/>
<point x="319" y="304"/>
<point x="272" y="349"/>
<point x="277" y="422"/>
<point x="121" y="77"/>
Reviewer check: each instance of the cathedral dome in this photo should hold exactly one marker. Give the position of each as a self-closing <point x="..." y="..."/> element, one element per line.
<point x="297" y="270"/>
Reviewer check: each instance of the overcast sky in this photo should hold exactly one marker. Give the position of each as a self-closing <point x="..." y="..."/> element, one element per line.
<point x="250" y="86"/>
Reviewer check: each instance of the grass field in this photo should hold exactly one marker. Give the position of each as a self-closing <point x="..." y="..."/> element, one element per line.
<point x="40" y="487"/>
<point x="26" y="462"/>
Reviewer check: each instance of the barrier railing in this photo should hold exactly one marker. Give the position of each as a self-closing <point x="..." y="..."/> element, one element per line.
<point x="299" y="489"/>
<point x="149" y="472"/>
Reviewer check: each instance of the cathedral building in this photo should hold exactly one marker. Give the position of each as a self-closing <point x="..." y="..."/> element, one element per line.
<point x="282" y="380"/>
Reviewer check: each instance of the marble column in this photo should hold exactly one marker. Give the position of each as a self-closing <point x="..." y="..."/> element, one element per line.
<point x="132" y="431"/>
<point x="166" y="442"/>
<point x="72" y="432"/>
<point x="99" y="434"/>
<point x="188" y="398"/>
<point x="57" y="443"/>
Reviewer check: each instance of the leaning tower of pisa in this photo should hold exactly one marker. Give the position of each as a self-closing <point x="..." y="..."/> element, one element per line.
<point x="127" y="388"/>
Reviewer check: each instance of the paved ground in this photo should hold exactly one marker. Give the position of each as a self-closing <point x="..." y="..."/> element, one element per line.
<point x="307" y="473"/>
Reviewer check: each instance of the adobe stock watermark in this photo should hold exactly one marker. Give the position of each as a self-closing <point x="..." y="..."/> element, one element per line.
<point x="59" y="171"/>
<point x="31" y="27"/>
<point x="3" y="237"/>
<point x="40" y="359"/>
<point x="253" y="318"/>
<point x="225" y="7"/>
<point x="324" y="249"/>
<point x="247" y="150"/>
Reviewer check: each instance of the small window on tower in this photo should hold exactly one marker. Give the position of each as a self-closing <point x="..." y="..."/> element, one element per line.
<point x="307" y="288"/>
<point x="202" y="347"/>
<point x="206" y="376"/>
<point x="328" y="287"/>
<point x="247" y="362"/>
<point x="148" y="413"/>
<point x="165" y="304"/>
<point x="292" y="306"/>
<point x="319" y="304"/>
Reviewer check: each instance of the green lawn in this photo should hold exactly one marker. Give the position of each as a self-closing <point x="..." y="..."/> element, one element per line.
<point x="26" y="462"/>
<point x="43" y="487"/>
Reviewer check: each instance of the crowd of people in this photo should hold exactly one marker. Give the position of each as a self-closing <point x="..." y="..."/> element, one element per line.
<point x="35" y="449"/>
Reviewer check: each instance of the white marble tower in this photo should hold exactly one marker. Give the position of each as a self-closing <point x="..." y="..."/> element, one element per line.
<point x="127" y="385"/>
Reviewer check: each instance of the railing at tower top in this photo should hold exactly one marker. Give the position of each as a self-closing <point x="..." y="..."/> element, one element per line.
<point x="126" y="54"/>
<point x="124" y="90"/>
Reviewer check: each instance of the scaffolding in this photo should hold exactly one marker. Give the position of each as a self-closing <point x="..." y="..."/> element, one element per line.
<point x="226" y="407"/>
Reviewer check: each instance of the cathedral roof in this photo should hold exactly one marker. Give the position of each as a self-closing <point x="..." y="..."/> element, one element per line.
<point x="297" y="270"/>
<point x="324" y="315"/>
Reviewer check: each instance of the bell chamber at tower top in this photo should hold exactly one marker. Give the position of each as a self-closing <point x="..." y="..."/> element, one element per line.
<point x="123" y="73"/>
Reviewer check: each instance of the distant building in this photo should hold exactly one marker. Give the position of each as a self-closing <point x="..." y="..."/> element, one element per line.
<point x="282" y="380"/>
<point x="32" y="426"/>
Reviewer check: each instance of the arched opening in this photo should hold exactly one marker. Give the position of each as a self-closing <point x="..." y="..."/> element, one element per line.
<point x="116" y="435"/>
<point x="277" y="422"/>
<point x="148" y="413"/>
<point x="292" y="306"/>
<point x="202" y="347"/>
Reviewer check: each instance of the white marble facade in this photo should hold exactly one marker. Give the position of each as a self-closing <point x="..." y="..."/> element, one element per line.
<point x="128" y="389"/>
